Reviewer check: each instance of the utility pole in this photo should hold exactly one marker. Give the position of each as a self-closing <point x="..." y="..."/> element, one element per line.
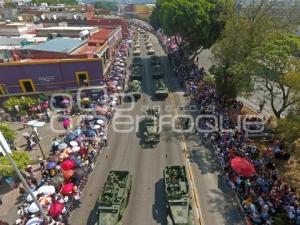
<point x="7" y="154"/>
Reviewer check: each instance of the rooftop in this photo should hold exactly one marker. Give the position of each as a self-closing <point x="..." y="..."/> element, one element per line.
<point x="63" y="45"/>
<point x="67" y="28"/>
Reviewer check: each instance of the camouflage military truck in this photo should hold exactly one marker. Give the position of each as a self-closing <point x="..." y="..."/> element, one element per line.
<point x="151" y="127"/>
<point x="134" y="89"/>
<point x="136" y="61"/>
<point x="114" y="198"/>
<point x="136" y="73"/>
<point x="155" y="60"/>
<point x="157" y="71"/>
<point x="161" y="89"/>
<point x="177" y="195"/>
<point x="150" y="51"/>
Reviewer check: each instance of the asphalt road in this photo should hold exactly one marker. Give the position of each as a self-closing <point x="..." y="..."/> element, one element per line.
<point x="147" y="201"/>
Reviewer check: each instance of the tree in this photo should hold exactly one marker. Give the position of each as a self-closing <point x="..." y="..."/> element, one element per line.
<point x="8" y="133"/>
<point x="289" y="128"/>
<point x="195" y="24"/>
<point x="245" y="29"/>
<point x="110" y="6"/>
<point x="21" y="159"/>
<point x="274" y="66"/>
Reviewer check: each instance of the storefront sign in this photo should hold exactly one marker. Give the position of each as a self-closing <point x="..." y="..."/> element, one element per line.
<point x="47" y="78"/>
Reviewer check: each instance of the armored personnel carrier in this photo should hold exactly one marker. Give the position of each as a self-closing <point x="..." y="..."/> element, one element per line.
<point x="136" y="72"/>
<point x="177" y="195"/>
<point x="157" y="72"/>
<point x="150" y="51"/>
<point x="155" y="60"/>
<point x="161" y="89"/>
<point x="114" y="199"/>
<point x="136" y="61"/>
<point x="151" y="127"/>
<point x="134" y="89"/>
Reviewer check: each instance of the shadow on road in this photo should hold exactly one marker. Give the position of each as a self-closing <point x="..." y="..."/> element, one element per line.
<point x="221" y="201"/>
<point x="159" y="211"/>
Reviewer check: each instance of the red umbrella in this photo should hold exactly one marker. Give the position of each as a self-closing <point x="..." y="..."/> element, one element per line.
<point x="67" y="165"/>
<point x="242" y="167"/>
<point x="67" y="189"/>
<point x="68" y="173"/>
<point x="55" y="209"/>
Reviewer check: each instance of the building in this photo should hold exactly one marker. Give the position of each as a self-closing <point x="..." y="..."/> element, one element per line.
<point x="74" y="32"/>
<point x="44" y="76"/>
<point x="17" y="29"/>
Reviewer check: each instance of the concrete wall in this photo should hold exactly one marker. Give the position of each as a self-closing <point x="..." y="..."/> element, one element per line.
<point x="50" y="76"/>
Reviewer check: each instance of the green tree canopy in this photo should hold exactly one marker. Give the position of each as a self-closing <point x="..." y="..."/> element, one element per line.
<point x="8" y="133"/>
<point x="196" y="24"/>
<point x="21" y="159"/>
<point x="110" y="6"/>
<point x="274" y="66"/>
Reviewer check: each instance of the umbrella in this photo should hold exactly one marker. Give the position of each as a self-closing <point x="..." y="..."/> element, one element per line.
<point x="56" y="209"/>
<point x="95" y="127"/>
<point x="51" y="165"/>
<point x="56" y="181"/>
<point x="47" y="190"/>
<point x="75" y="148"/>
<point x="62" y="146"/>
<point x="70" y="137"/>
<point x="73" y="143"/>
<point x="29" y="198"/>
<point x="33" y="208"/>
<point x="67" y="189"/>
<point x="90" y="133"/>
<point x="100" y="121"/>
<point x="77" y="132"/>
<point x="67" y="165"/>
<point x="242" y="167"/>
<point x="68" y="173"/>
<point x="34" y="221"/>
<point x="44" y="200"/>
<point x="66" y="101"/>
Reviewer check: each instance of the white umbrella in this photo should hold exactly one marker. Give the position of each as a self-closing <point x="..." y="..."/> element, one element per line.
<point x="33" y="208"/>
<point x="96" y="127"/>
<point x="75" y="148"/>
<point x="34" y="221"/>
<point x="29" y="198"/>
<point x="47" y="190"/>
<point x="100" y="121"/>
<point x="113" y="103"/>
<point x="73" y="143"/>
<point x="62" y="146"/>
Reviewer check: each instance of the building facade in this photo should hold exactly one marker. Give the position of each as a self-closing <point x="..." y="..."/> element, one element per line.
<point x="49" y="75"/>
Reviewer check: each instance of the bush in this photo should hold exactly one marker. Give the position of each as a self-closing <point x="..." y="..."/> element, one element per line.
<point x="21" y="159"/>
<point x="8" y="133"/>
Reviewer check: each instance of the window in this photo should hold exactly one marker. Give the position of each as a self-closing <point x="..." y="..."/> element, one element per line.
<point x="27" y="85"/>
<point x="82" y="78"/>
<point x="3" y="90"/>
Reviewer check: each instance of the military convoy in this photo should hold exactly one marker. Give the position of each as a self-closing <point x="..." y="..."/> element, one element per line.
<point x="179" y="203"/>
<point x="157" y="72"/>
<point x="161" y="89"/>
<point x="151" y="127"/>
<point x="154" y="60"/>
<point x="134" y="89"/>
<point x="114" y="198"/>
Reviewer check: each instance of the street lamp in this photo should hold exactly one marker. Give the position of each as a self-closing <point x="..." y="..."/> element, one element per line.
<point x="5" y="149"/>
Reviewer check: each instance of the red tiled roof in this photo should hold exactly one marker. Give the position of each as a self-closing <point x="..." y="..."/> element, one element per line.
<point x="102" y="34"/>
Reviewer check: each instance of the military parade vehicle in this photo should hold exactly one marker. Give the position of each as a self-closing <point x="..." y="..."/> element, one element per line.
<point x="151" y="127"/>
<point x="136" y="72"/>
<point x="134" y="89"/>
<point x="114" y="198"/>
<point x="157" y="72"/>
<point x="161" y="89"/>
<point x="179" y="203"/>
<point x="150" y="51"/>
<point x="137" y="52"/>
<point x="136" y="61"/>
<point x="154" y="60"/>
<point x="149" y="46"/>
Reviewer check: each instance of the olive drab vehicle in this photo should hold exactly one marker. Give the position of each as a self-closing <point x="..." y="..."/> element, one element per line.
<point x="137" y="61"/>
<point x="155" y="60"/>
<point x="151" y="127"/>
<point x="157" y="71"/>
<point x="161" y="89"/>
<point x="134" y="89"/>
<point x="114" y="198"/>
<point x="178" y="199"/>
<point x="136" y="72"/>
